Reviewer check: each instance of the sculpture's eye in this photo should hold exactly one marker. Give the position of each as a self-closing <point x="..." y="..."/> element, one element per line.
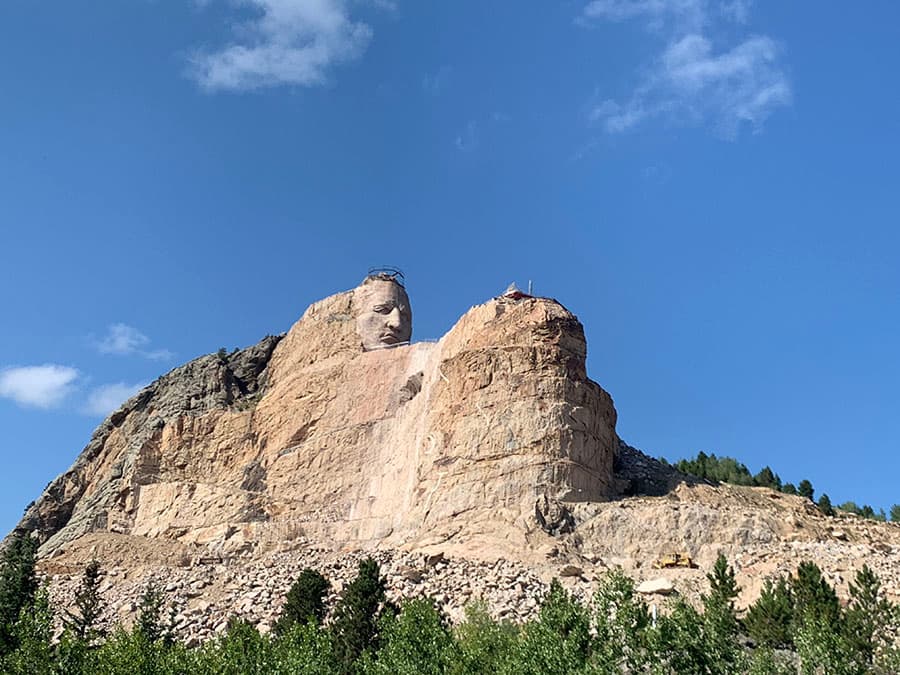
<point x="383" y="309"/>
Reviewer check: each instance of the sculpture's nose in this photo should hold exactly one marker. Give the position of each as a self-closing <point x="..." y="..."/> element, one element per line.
<point x="393" y="319"/>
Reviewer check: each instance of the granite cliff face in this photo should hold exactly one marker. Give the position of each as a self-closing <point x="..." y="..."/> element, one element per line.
<point x="479" y="443"/>
<point x="478" y="466"/>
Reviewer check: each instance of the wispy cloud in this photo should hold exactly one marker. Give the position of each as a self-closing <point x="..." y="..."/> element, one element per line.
<point x="691" y="81"/>
<point x="289" y="42"/>
<point x="44" y="386"/>
<point x="104" y="399"/>
<point x="124" y="340"/>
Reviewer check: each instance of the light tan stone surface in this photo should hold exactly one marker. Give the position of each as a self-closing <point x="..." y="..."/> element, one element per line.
<point x="450" y="443"/>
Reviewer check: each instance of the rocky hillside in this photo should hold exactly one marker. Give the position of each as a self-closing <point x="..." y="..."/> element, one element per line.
<point x="481" y="465"/>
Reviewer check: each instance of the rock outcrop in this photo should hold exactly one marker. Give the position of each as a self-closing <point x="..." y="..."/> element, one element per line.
<point x="479" y="443"/>
<point x="481" y="465"/>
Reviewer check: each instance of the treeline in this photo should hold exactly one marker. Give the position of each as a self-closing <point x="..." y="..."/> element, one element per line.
<point x="797" y="625"/>
<point x="729" y="470"/>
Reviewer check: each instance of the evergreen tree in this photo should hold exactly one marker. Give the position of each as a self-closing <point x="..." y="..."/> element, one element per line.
<point x="805" y="489"/>
<point x="895" y="513"/>
<point x="719" y="621"/>
<point x="767" y="478"/>
<point x="18" y="585"/>
<point x="814" y="599"/>
<point x="150" y="624"/>
<point x="305" y="601"/>
<point x="768" y="621"/>
<point x="825" y="505"/>
<point x="868" y="615"/>
<point x="355" y="625"/>
<point x="789" y="489"/>
<point x="88" y="605"/>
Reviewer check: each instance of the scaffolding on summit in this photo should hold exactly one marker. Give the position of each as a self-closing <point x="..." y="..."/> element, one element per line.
<point x="513" y="292"/>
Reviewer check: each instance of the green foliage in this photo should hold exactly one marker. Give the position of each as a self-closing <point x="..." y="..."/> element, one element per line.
<point x="621" y="620"/>
<point x="88" y="605"/>
<point x="814" y="599"/>
<point x="822" y="649"/>
<point x="721" y="469"/>
<point x="895" y="513"/>
<point x="825" y="505"/>
<point x="796" y="625"/>
<point x="32" y="633"/>
<point x="558" y="641"/>
<point x="18" y="585"/>
<point x="150" y="623"/>
<point x="868" y="616"/>
<point x="355" y="625"/>
<point x="305" y="650"/>
<point x="241" y="651"/>
<point x="305" y="601"/>
<point x="767" y="478"/>
<point x="789" y="489"/>
<point x="768" y="621"/>
<point x="805" y="489"/>
<point x="131" y="653"/>
<point x="417" y="641"/>
<point x="767" y="662"/>
<point x="720" y="624"/>
<point x="678" y="641"/>
<point x="483" y="644"/>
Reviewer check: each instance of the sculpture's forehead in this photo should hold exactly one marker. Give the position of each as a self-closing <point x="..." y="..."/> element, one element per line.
<point x="382" y="291"/>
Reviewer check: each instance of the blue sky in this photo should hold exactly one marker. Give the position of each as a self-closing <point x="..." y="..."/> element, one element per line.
<point x="710" y="187"/>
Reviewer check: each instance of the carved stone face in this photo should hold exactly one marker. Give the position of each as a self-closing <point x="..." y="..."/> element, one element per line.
<point x="384" y="317"/>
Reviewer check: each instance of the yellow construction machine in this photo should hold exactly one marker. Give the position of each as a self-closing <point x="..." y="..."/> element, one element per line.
<point x="674" y="560"/>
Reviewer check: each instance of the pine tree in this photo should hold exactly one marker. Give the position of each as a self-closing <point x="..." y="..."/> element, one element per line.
<point x="723" y="587"/>
<point x="305" y="601"/>
<point x="768" y="621"/>
<point x="88" y="605"/>
<point x="825" y="505"/>
<point x="805" y="489"/>
<point x="355" y="625"/>
<point x="895" y="513"/>
<point x="767" y="478"/>
<point x="789" y="489"/>
<point x="719" y="621"/>
<point x="814" y="598"/>
<point x="18" y="585"/>
<point x="868" y="615"/>
<point x="150" y="623"/>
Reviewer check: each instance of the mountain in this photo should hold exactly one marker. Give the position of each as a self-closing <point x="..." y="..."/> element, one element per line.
<point x="487" y="454"/>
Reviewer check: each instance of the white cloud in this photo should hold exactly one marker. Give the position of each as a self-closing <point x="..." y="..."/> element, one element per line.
<point x="104" y="399"/>
<point x="124" y="340"/>
<point x="688" y="13"/>
<point x="292" y="42"/>
<point x="689" y="81"/>
<point x="38" y="386"/>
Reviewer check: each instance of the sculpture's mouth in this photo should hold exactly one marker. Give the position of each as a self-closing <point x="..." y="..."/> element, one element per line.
<point x="390" y="338"/>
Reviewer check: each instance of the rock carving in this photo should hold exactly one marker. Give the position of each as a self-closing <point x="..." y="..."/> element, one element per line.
<point x="383" y="313"/>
